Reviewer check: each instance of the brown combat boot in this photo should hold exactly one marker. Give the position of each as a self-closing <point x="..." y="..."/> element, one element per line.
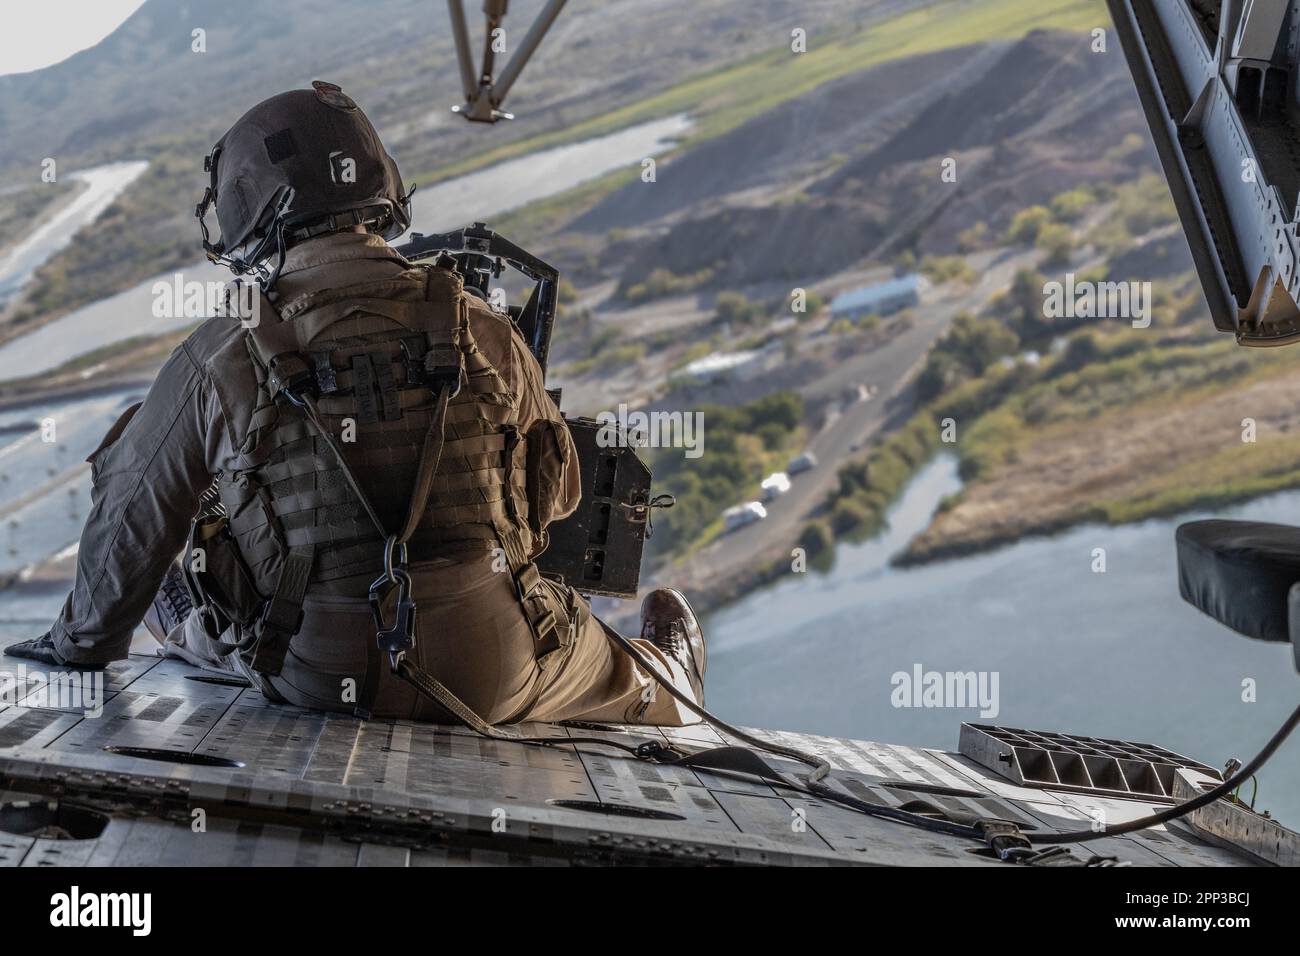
<point x="668" y="623"/>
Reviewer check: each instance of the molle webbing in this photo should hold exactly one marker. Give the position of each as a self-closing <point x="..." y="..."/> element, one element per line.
<point x="366" y="349"/>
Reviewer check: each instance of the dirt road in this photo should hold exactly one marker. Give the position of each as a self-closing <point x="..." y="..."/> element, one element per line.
<point x="890" y="369"/>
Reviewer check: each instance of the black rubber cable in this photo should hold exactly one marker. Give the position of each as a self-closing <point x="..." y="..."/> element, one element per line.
<point x="812" y="784"/>
<point x="822" y="767"/>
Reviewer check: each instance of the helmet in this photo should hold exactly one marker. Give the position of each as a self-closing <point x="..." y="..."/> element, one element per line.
<point x="300" y="164"/>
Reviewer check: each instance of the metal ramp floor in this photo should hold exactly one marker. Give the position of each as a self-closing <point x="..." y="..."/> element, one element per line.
<point x="264" y="784"/>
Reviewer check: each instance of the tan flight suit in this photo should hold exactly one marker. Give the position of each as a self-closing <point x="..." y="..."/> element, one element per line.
<point x="472" y="633"/>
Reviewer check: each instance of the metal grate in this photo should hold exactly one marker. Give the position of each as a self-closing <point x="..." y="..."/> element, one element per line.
<point x="1113" y="768"/>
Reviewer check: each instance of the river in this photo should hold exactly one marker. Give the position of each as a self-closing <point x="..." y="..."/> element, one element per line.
<point x="44" y="484"/>
<point x="103" y="185"/>
<point x="438" y="208"/>
<point x="1115" y="654"/>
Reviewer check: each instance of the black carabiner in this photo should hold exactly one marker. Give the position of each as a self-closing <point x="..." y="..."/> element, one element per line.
<point x="400" y="637"/>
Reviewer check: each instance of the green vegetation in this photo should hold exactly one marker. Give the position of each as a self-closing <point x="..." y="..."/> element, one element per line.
<point x="975" y="238"/>
<point x="866" y="488"/>
<point x="1210" y="482"/>
<point x="964" y="353"/>
<point x="1056" y="240"/>
<point x="856" y="508"/>
<point x="1141" y="205"/>
<point x="605" y="352"/>
<point x="1052" y="227"/>
<point x="1099" y="379"/>
<point x="662" y="282"/>
<point x="135" y="238"/>
<point x="1073" y="205"/>
<point x="1127" y="370"/>
<point x="735" y="310"/>
<point x="1027" y="223"/>
<point x="941" y="269"/>
<point x="697" y="350"/>
<point x="724" y="99"/>
<point x="742" y="445"/>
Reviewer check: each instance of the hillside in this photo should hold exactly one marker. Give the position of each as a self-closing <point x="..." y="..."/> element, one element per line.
<point x="810" y="188"/>
<point x="143" y="94"/>
<point x="143" y="87"/>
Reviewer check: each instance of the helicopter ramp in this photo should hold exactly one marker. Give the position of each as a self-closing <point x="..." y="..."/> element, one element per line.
<point x="179" y="770"/>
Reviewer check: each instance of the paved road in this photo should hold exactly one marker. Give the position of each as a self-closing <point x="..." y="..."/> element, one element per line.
<point x="890" y="369"/>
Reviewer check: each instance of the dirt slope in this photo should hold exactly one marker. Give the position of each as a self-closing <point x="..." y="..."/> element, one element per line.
<point x="1025" y="122"/>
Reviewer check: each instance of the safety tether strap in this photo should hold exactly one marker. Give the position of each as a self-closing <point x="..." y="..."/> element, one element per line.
<point x="430" y="456"/>
<point x="436" y="691"/>
<point x="282" y="613"/>
<point x="726" y="759"/>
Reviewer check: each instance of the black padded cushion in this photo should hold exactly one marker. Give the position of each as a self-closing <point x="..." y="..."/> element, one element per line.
<point x="1295" y="623"/>
<point x="1241" y="573"/>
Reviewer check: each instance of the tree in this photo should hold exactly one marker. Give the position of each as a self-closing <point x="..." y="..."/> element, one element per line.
<point x="969" y="348"/>
<point x="1057" y="241"/>
<point x="1027" y="224"/>
<point x="732" y="308"/>
<point x="1071" y="206"/>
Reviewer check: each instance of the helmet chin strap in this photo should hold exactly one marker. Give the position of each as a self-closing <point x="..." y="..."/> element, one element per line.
<point x="267" y="281"/>
<point x="253" y="260"/>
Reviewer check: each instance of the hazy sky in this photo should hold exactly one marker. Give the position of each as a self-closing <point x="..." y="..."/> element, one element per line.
<point x="37" y="33"/>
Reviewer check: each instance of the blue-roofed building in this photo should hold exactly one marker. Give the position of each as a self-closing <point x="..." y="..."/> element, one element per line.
<point x="883" y="298"/>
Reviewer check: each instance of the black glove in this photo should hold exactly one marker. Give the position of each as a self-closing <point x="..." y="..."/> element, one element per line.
<point x="42" y="649"/>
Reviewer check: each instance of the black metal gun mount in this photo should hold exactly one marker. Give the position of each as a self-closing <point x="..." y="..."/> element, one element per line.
<point x="481" y="256"/>
<point x="598" y="548"/>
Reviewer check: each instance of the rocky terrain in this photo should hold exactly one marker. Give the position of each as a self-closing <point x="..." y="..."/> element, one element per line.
<point x="143" y="93"/>
<point x="851" y="171"/>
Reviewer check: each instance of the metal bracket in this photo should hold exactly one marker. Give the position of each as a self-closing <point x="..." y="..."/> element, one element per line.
<point x="484" y="94"/>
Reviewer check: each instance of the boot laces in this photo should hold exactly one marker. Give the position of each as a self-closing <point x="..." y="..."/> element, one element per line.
<point x="669" y="637"/>
<point x="176" y="596"/>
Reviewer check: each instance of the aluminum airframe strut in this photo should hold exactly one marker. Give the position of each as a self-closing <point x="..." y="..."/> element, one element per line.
<point x="484" y="94"/>
<point x="1218" y="84"/>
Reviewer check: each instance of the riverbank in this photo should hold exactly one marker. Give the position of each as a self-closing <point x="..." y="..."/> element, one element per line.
<point x="1116" y="655"/>
<point x="1154" y="434"/>
<point x="53" y="221"/>
<point x="1112" y="431"/>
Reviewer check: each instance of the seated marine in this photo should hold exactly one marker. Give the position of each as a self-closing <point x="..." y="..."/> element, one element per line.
<point x="369" y="428"/>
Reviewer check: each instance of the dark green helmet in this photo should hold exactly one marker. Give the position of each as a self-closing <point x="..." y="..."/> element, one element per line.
<point x="299" y="164"/>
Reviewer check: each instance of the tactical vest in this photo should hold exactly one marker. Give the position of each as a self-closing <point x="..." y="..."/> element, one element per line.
<point x="377" y="417"/>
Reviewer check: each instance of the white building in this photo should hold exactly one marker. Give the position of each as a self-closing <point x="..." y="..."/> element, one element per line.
<point x="883" y="298"/>
<point x="722" y="367"/>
